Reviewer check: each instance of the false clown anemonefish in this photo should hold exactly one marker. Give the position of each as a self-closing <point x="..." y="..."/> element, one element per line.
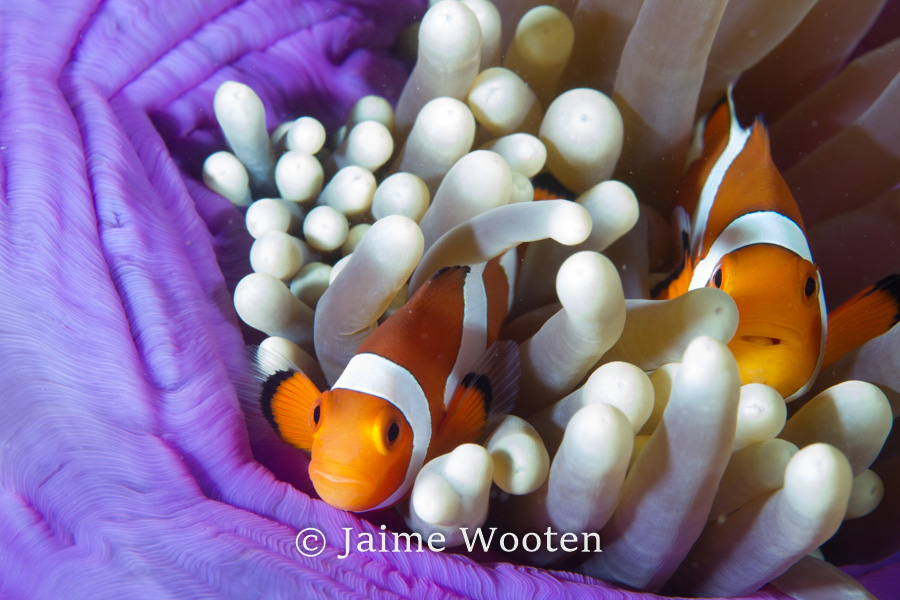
<point x="431" y="377"/>
<point x="741" y="231"/>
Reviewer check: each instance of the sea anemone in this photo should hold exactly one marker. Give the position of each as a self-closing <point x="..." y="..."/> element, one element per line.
<point x="126" y="466"/>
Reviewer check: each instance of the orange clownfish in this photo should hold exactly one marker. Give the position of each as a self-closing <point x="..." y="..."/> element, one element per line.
<point x="428" y="379"/>
<point x="741" y="232"/>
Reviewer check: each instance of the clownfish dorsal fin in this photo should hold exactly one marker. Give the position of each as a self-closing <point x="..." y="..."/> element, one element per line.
<point x="676" y="283"/>
<point x="710" y="131"/>
<point x="424" y="335"/>
<point x="485" y="395"/>
<point x="725" y="132"/>
<point x="286" y="396"/>
<point x="863" y="317"/>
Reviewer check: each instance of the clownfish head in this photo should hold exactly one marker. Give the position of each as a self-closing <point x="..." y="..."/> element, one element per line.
<point x="361" y="449"/>
<point x="779" y="338"/>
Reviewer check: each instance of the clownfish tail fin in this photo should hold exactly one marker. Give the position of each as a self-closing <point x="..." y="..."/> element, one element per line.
<point x="548" y="187"/>
<point x="284" y="395"/>
<point x="863" y="317"/>
<point x="485" y="395"/>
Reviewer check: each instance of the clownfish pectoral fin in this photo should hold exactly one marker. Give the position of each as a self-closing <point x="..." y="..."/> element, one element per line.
<point x="485" y="395"/>
<point x="679" y="280"/>
<point x="500" y="365"/>
<point x="285" y="395"/>
<point x="286" y="400"/>
<point x="683" y="223"/>
<point x="866" y="315"/>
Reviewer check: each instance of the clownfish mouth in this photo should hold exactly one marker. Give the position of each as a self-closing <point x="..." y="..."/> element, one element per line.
<point x="341" y="486"/>
<point x="766" y="334"/>
<point x="759" y="340"/>
<point x="338" y="479"/>
<point x="339" y="474"/>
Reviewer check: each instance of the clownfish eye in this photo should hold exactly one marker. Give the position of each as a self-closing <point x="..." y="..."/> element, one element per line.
<point x="393" y="433"/>
<point x="810" y="287"/>
<point x="316" y="414"/>
<point x="717" y="278"/>
<point x="387" y="430"/>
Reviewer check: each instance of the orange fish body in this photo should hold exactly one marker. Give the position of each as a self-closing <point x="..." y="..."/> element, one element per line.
<point x="746" y="237"/>
<point x="742" y="232"/>
<point x="429" y="378"/>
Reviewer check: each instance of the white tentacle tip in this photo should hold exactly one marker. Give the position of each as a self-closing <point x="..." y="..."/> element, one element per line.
<point x="865" y="495"/>
<point x="589" y="287"/>
<point x="571" y="224"/>
<point x="818" y="480"/>
<point x="452" y="490"/>
<point x="434" y="500"/>
<point x="521" y="461"/>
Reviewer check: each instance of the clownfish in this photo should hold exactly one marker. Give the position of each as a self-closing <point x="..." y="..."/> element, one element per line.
<point x="431" y="377"/>
<point x="741" y="231"/>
